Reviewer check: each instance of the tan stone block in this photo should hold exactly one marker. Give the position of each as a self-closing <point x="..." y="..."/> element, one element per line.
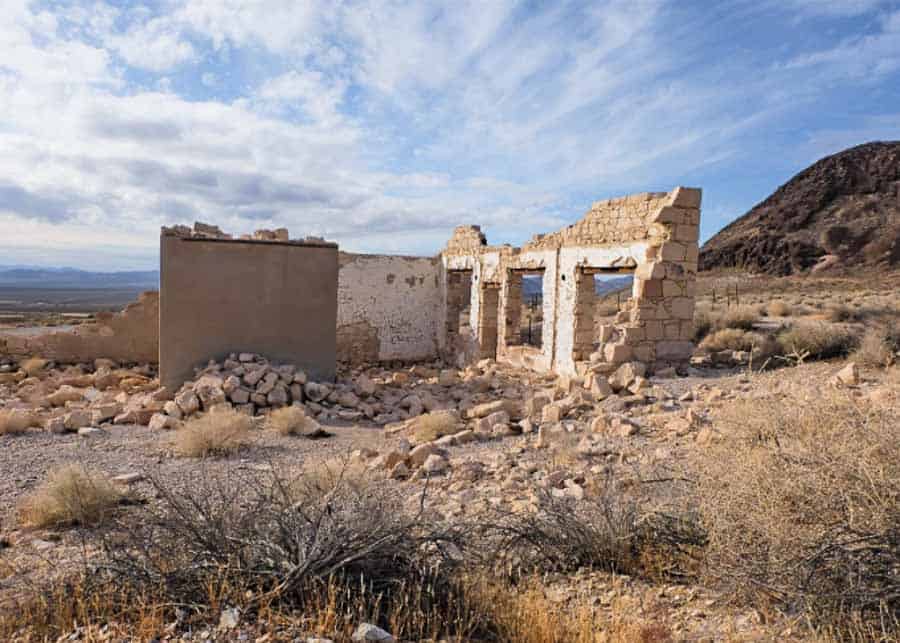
<point x="672" y="288"/>
<point x="672" y="330"/>
<point x="616" y="353"/>
<point x="672" y="251"/>
<point x="648" y="288"/>
<point x="692" y="254"/>
<point x="633" y="334"/>
<point x="644" y="352"/>
<point x="687" y="330"/>
<point x="653" y="330"/>
<point x="650" y="270"/>
<point x="685" y="197"/>
<point x="682" y="307"/>
<point x="686" y="233"/>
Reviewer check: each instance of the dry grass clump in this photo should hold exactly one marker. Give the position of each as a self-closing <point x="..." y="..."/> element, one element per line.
<point x="213" y="434"/>
<point x="818" y="340"/>
<point x="778" y="308"/>
<point x="842" y="313"/>
<point x="291" y="420"/>
<point x="16" y="421"/>
<point x="875" y="349"/>
<point x="733" y="339"/>
<point x="743" y="317"/>
<point x="801" y="501"/>
<point x="71" y="496"/>
<point x="33" y="366"/>
<point x="434" y="425"/>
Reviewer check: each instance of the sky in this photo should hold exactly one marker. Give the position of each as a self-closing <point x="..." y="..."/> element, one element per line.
<point x="382" y="125"/>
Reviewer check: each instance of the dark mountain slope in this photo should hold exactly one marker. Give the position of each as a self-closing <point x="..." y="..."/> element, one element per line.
<point x="841" y="212"/>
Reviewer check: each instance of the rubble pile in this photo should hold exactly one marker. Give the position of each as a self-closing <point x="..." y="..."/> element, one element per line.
<point x="81" y="397"/>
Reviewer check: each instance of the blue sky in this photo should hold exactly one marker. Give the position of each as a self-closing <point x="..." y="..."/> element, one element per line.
<point x="381" y="125"/>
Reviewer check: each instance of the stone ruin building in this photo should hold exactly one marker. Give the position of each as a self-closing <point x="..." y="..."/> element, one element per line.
<point x="305" y="302"/>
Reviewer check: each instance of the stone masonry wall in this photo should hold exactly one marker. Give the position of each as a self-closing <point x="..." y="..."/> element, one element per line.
<point x="653" y="234"/>
<point x="128" y="336"/>
<point x="388" y="308"/>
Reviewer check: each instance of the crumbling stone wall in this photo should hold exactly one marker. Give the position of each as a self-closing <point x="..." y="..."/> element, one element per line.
<point x="388" y="308"/>
<point x="653" y="234"/>
<point x="128" y="336"/>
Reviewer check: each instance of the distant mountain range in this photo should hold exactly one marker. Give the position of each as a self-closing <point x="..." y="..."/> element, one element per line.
<point x="34" y="277"/>
<point x="532" y="285"/>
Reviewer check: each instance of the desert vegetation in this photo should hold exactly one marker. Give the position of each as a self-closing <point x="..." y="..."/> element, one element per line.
<point x="214" y="434"/>
<point x="71" y="495"/>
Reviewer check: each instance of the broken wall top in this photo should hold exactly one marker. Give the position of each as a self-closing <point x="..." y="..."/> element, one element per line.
<point x="639" y="217"/>
<point x="208" y="232"/>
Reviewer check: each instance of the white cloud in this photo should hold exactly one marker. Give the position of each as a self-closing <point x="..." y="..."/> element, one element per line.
<point x="380" y="124"/>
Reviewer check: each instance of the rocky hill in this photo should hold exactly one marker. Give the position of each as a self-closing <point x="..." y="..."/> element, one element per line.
<point x="842" y="212"/>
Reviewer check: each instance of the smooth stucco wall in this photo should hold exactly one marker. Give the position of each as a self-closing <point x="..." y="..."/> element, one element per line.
<point x="388" y="307"/>
<point x="228" y="296"/>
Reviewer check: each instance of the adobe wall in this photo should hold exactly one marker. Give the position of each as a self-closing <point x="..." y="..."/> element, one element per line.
<point x="388" y="308"/>
<point x="654" y="235"/>
<point x="220" y="295"/>
<point x="128" y="336"/>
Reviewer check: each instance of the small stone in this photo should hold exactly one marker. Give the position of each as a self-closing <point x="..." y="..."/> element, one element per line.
<point x="88" y="431"/>
<point x="229" y="618"/>
<point x="369" y="632"/>
<point x="435" y="464"/>
<point x="420" y="454"/>
<point x="188" y="402"/>
<point x="128" y="478"/>
<point x="849" y="375"/>
<point x="159" y="421"/>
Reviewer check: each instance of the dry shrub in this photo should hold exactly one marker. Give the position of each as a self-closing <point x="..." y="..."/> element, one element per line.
<point x="434" y="425"/>
<point x="778" y="308"/>
<point x="743" y="317"/>
<point x="291" y="420"/>
<point x="703" y="322"/>
<point x="606" y="531"/>
<point x="842" y="313"/>
<point x="212" y="434"/>
<point x="801" y="501"/>
<point x="16" y="421"/>
<point x="336" y="555"/>
<point x="761" y="346"/>
<point x="733" y="339"/>
<point x="71" y="495"/>
<point x="818" y="340"/>
<point x="875" y="349"/>
<point x="33" y="366"/>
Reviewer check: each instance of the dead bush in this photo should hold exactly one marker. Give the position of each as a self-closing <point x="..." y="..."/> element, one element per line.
<point x="213" y="434"/>
<point x="337" y="554"/>
<point x="875" y="349"/>
<point x="742" y="317"/>
<point x="434" y="425"/>
<point x="801" y="501"/>
<point x="291" y="420"/>
<point x="607" y="531"/>
<point x="71" y="496"/>
<point x="778" y="308"/>
<point x="733" y="339"/>
<point x="818" y="340"/>
<point x="16" y="421"/>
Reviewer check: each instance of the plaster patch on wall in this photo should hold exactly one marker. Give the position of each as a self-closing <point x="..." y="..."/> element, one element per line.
<point x="401" y="318"/>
